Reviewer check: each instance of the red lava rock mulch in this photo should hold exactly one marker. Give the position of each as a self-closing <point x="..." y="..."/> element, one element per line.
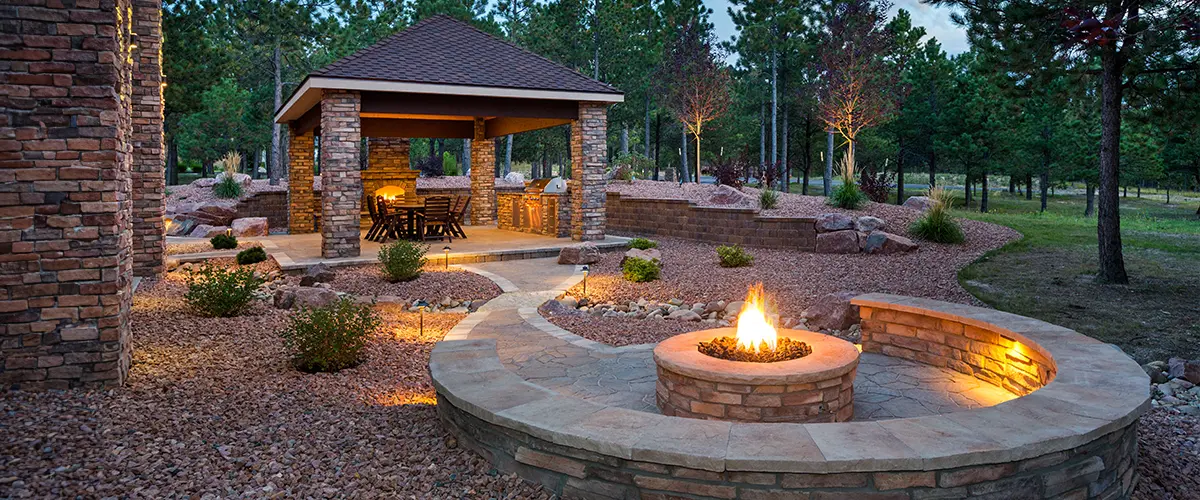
<point x="433" y="284"/>
<point x="626" y="331"/>
<point x="188" y="193"/>
<point x="1170" y="456"/>
<point x="205" y="246"/>
<point x="213" y="408"/>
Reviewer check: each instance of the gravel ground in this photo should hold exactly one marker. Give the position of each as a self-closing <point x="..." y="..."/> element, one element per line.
<point x="626" y="331"/>
<point x="456" y="181"/>
<point x="190" y="194"/>
<point x="213" y="409"/>
<point x="205" y="246"/>
<point x="434" y="284"/>
<point x="1170" y="456"/>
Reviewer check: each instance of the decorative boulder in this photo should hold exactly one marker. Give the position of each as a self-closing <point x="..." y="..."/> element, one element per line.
<point x="214" y="213"/>
<point x="886" y="243"/>
<point x="869" y="224"/>
<point x="685" y="315"/>
<point x="317" y="273"/>
<point x="647" y="254"/>
<point x="582" y="253"/>
<point x="284" y="298"/>
<point x="250" y="226"/>
<point x="514" y="178"/>
<point x="728" y="195"/>
<point x="838" y="242"/>
<point x="554" y="308"/>
<point x="242" y="179"/>
<point x="1191" y="371"/>
<point x="204" y="182"/>
<point x="921" y="203"/>
<point x="827" y="223"/>
<point x="314" y="296"/>
<point x="207" y="231"/>
<point x="181" y="227"/>
<point x="833" y="312"/>
<point x="1176" y="367"/>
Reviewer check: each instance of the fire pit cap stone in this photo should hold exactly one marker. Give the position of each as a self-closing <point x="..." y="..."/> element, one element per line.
<point x="831" y="357"/>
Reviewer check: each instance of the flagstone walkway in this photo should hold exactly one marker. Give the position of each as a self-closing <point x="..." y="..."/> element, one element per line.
<point x="547" y="355"/>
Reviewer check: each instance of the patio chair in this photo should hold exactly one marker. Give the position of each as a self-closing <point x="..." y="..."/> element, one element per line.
<point x="434" y="222"/>
<point x="456" y="216"/>
<point x="376" y="221"/>
<point x="387" y="221"/>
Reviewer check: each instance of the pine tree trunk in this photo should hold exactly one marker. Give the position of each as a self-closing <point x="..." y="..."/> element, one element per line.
<point x="807" y="153"/>
<point x="172" y="160"/>
<point x="787" y="170"/>
<point x="932" y="169"/>
<point x="625" y="140"/>
<point x="828" y="161"/>
<point x="900" y="172"/>
<point x="762" y="140"/>
<point x="657" y="145"/>
<point x="508" y="155"/>
<point x="1108" y="224"/>
<point x="683" y="154"/>
<point x="647" y="131"/>
<point x="466" y="168"/>
<point x="1029" y="185"/>
<point x="1045" y="176"/>
<point x="983" y="193"/>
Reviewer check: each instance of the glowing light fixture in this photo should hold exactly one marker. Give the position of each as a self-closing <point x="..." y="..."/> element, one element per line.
<point x="446" y="250"/>
<point x="585" y="273"/>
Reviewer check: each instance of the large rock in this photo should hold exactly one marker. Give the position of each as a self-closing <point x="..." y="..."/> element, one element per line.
<point x="207" y="231"/>
<point x="838" y="242"/>
<point x="204" y="182"/>
<point x="317" y="273"/>
<point x="869" y="224"/>
<point x="647" y="254"/>
<point x="833" y="312"/>
<point x="887" y="243"/>
<point x="582" y="253"/>
<point x="181" y="227"/>
<point x="213" y="213"/>
<point x="728" y="195"/>
<point x="1176" y="367"/>
<point x="685" y="315"/>
<point x="831" y="222"/>
<point x="921" y="203"/>
<point x="554" y="308"/>
<point x="514" y="178"/>
<point x="314" y="296"/>
<point x="1191" y="371"/>
<point x="250" y="226"/>
<point x="284" y="298"/>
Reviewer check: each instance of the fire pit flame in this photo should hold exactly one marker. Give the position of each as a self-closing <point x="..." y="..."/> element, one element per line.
<point x="754" y="332"/>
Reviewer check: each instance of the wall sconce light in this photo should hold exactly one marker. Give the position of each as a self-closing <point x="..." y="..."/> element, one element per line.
<point x="446" y="250"/>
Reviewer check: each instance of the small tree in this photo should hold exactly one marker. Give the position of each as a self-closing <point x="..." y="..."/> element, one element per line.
<point x="695" y="87"/>
<point x="861" y="68"/>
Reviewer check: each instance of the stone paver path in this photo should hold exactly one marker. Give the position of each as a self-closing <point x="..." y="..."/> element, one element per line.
<point x="549" y="356"/>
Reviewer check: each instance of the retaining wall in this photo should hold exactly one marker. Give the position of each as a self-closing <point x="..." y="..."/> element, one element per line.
<point x="726" y="226"/>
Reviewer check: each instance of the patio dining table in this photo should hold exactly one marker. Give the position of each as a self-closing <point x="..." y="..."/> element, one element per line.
<point x="405" y="214"/>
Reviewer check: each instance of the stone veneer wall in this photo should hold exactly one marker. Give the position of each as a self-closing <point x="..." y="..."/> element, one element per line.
<point x="301" y="200"/>
<point x="726" y="226"/>
<point x="272" y="205"/>
<point x="66" y="201"/>
<point x="483" y="180"/>
<point x="341" y="179"/>
<point x="1103" y="468"/>
<point x="985" y="353"/>
<point x="149" y="152"/>
<point x="682" y="395"/>
<point x="555" y="212"/>
<point x="589" y="160"/>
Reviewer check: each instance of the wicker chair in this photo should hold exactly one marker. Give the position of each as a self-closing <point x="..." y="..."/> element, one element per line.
<point x="434" y="222"/>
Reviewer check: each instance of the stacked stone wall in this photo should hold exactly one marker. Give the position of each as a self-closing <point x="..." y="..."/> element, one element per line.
<point x="273" y="205"/>
<point x="483" y="180"/>
<point x="589" y="161"/>
<point x="66" y="200"/>
<point x="302" y="203"/>
<point x="554" y="210"/>
<point x="149" y="152"/>
<point x="341" y="178"/>
<point x="726" y="226"/>
<point x="387" y="165"/>
<point x="682" y="395"/>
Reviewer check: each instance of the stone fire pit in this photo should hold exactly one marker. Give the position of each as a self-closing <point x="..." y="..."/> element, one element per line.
<point x="816" y="388"/>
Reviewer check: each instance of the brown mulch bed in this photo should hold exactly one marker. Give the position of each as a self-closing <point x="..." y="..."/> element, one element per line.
<point x="433" y="284"/>
<point x="1170" y="456"/>
<point x="213" y="408"/>
<point x="626" y="331"/>
<point x="456" y="182"/>
<point x="202" y="247"/>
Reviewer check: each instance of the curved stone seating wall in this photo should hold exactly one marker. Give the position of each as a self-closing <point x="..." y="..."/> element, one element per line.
<point x="726" y="226"/>
<point x="1075" y="437"/>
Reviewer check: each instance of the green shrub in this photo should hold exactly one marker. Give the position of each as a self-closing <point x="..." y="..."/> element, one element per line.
<point x="228" y="188"/>
<point x="219" y="292"/>
<point x="330" y="338"/>
<point x="936" y="224"/>
<point x="449" y="164"/>
<point x="847" y="196"/>
<point x="768" y="199"/>
<point x="734" y="256"/>
<point x="224" y="241"/>
<point x="252" y="255"/>
<point x="403" y="260"/>
<point x="642" y="243"/>
<point x="641" y="270"/>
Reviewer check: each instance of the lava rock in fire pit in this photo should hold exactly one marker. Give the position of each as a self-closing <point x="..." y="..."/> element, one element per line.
<point x="727" y="348"/>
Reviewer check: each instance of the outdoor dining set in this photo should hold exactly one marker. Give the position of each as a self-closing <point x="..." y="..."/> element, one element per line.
<point x="435" y="218"/>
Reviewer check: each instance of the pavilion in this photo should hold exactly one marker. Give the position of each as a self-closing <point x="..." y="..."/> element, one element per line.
<point x="440" y="78"/>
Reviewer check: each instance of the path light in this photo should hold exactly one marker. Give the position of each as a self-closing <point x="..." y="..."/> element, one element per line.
<point x="446" y="250"/>
<point x="229" y="232"/>
<point x="421" y="305"/>
<point x="585" y="273"/>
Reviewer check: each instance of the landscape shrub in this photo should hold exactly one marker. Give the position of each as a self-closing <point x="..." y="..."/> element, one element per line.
<point x="330" y="338"/>
<point x="228" y="187"/>
<point x="449" y="164"/>
<point x="641" y="270"/>
<point x="403" y="260"/>
<point x="936" y="224"/>
<point x="216" y="291"/>
<point x="877" y="186"/>
<point x="224" y="241"/>
<point x="768" y="199"/>
<point x="847" y="196"/>
<point x="734" y="256"/>
<point x="729" y="171"/>
<point x="252" y="255"/>
<point x="623" y="173"/>
<point x="642" y="243"/>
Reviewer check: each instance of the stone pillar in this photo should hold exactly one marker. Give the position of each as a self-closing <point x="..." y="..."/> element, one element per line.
<point x="149" y="176"/>
<point x="301" y="204"/>
<point x="66" y="205"/>
<point x="589" y="159"/>
<point x="483" y="179"/>
<point x="341" y="179"/>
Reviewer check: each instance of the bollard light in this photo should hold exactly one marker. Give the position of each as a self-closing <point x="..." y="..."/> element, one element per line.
<point x="421" y="305"/>
<point x="446" y="250"/>
<point x="585" y="273"/>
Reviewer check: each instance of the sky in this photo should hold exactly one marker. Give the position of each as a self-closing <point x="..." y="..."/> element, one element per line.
<point x="935" y="20"/>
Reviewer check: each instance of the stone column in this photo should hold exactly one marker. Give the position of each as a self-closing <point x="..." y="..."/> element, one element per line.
<point x="149" y="177"/>
<point x="341" y="179"/>
<point x="589" y="159"/>
<point x="301" y="203"/>
<point x="66" y="206"/>
<point x="483" y="179"/>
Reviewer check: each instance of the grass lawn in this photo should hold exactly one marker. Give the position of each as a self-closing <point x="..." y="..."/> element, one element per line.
<point x="1049" y="273"/>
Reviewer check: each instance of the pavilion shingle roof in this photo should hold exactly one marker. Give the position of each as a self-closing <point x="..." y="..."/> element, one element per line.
<point x="444" y="50"/>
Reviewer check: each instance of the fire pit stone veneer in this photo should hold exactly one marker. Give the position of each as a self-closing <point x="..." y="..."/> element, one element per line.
<point x="818" y="387"/>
